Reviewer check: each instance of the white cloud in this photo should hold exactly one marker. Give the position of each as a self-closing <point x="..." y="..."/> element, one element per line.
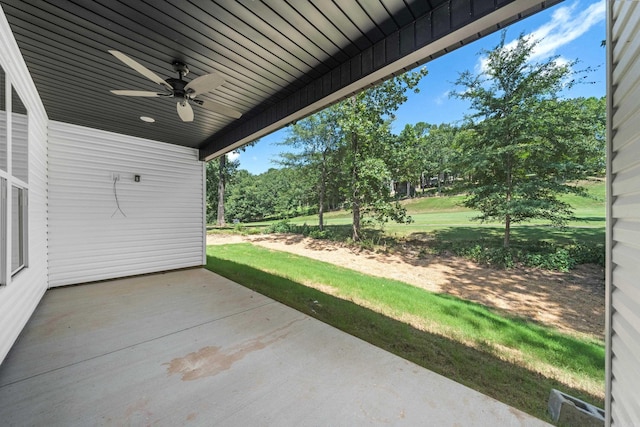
<point x="442" y="97"/>
<point x="481" y="66"/>
<point x="233" y="155"/>
<point x="562" y="62"/>
<point x="566" y="25"/>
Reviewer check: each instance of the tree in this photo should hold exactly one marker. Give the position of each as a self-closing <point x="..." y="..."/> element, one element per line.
<point x="521" y="151"/>
<point x="409" y="158"/>
<point x="221" y="176"/>
<point x="439" y="151"/>
<point x="218" y="175"/>
<point x="364" y="120"/>
<point x="591" y="150"/>
<point x="317" y="138"/>
<point x="242" y="203"/>
<point x="273" y="194"/>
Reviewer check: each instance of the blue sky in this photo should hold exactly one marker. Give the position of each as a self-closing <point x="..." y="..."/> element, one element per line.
<point x="573" y="30"/>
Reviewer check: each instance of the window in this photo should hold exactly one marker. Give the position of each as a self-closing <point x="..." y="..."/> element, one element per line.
<point x="14" y="181"/>
<point x="20" y="178"/>
<point x="19" y="138"/>
<point x="3" y="123"/>
<point x="3" y="180"/>
<point x="18" y="229"/>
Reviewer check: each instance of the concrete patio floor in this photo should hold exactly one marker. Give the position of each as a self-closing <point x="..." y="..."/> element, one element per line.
<point x="193" y="348"/>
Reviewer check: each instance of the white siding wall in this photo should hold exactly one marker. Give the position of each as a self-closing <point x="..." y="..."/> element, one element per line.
<point x="623" y="230"/>
<point x="19" y="298"/>
<point x="89" y="238"/>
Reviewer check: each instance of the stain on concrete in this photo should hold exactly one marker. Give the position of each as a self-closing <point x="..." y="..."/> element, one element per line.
<point x="53" y="324"/>
<point x="138" y="413"/>
<point x="211" y="360"/>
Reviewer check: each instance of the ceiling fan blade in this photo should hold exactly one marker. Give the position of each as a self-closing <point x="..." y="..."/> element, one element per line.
<point x="136" y="93"/>
<point x="203" y="84"/>
<point x="140" y="68"/>
<point x="185" y="111"/>
<point x="219" y="108"/>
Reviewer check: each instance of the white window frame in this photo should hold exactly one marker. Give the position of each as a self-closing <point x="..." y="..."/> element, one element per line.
<point x="23" y="221"/>
<point x="3" y="230"/>
<point x="7" y="183"/>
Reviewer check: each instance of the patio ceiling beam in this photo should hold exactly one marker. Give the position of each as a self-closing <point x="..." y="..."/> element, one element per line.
<point x="451" y="25"/>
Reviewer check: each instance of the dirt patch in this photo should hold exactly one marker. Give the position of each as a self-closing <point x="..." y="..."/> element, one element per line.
<point x="572" y="302"/>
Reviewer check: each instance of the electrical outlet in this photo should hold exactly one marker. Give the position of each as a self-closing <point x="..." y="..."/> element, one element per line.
<point x="115" y="176"/>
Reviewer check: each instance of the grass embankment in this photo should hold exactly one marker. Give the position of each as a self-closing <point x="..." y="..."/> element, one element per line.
<point x="512" y="360"/>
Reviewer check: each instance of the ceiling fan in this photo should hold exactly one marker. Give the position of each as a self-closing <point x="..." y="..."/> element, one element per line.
<point x="184" y="92"/>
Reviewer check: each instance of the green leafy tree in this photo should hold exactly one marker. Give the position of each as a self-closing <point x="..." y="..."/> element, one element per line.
<point x="278" y="193"/>
<point x="364" y="120"/>
<point x="317" y="140"/>
<point x="439" y="151"/>
<point x="408" y="157"/>
<point x="219" y="178"/>
<point x="521" y="151"/>
<point x="270" y="195"/>
<point x="241" y="202"/>
<point x="225" y="170"/>
<point x="218" y="174"/>
<point x="590" y="151"/>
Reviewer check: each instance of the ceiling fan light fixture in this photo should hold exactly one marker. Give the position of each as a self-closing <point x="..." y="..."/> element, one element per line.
<point x="179" y="89"/>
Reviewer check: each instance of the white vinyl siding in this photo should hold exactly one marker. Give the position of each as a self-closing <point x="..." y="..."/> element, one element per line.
<point x="623" y="229"/>
<point x="159" y="224"/>
<point x="21" y="295"/>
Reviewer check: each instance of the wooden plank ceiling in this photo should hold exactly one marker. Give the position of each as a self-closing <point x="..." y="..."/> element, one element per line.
<point x="281" y="59"/>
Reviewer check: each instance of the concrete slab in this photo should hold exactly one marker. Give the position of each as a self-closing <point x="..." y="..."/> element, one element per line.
<point x="193" y="348"/>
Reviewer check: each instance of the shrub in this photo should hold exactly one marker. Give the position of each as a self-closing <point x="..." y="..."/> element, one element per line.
<point x="306" y="230"/>
<point x="483" y="254"/>
<point x="320" y="234"/>
<point x="588" y="254"/>
<point x="544" y="255"/>
<point x="283" y="226"/>
<point x="560" y="260"/>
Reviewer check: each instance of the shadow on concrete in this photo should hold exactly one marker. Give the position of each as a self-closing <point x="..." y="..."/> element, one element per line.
<point x="475" y="368"/>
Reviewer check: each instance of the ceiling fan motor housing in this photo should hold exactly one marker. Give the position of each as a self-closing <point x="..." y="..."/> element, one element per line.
<point x="178" y="87"/>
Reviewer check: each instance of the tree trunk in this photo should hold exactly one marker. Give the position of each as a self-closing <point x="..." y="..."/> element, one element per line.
<point x="355" y="195"/>
<point x="221" y="184"/>
<point x="507" y="218"/>
<point x="323" y="186"/>
<point x="408" y="189"/>
<point x="507" y="230"/>
<point x="355" y="235"/>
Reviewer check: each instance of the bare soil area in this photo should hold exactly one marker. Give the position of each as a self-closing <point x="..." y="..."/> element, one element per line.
<point x="571" y="302"/>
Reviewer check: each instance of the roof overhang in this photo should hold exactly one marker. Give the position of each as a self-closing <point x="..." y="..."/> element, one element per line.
<point x="281" y="60"/>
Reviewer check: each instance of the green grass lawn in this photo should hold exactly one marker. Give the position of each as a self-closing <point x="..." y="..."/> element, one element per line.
<point x="431" y="214"/>
<point x="442" y="224"/>
<point x="513" y="360"/>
